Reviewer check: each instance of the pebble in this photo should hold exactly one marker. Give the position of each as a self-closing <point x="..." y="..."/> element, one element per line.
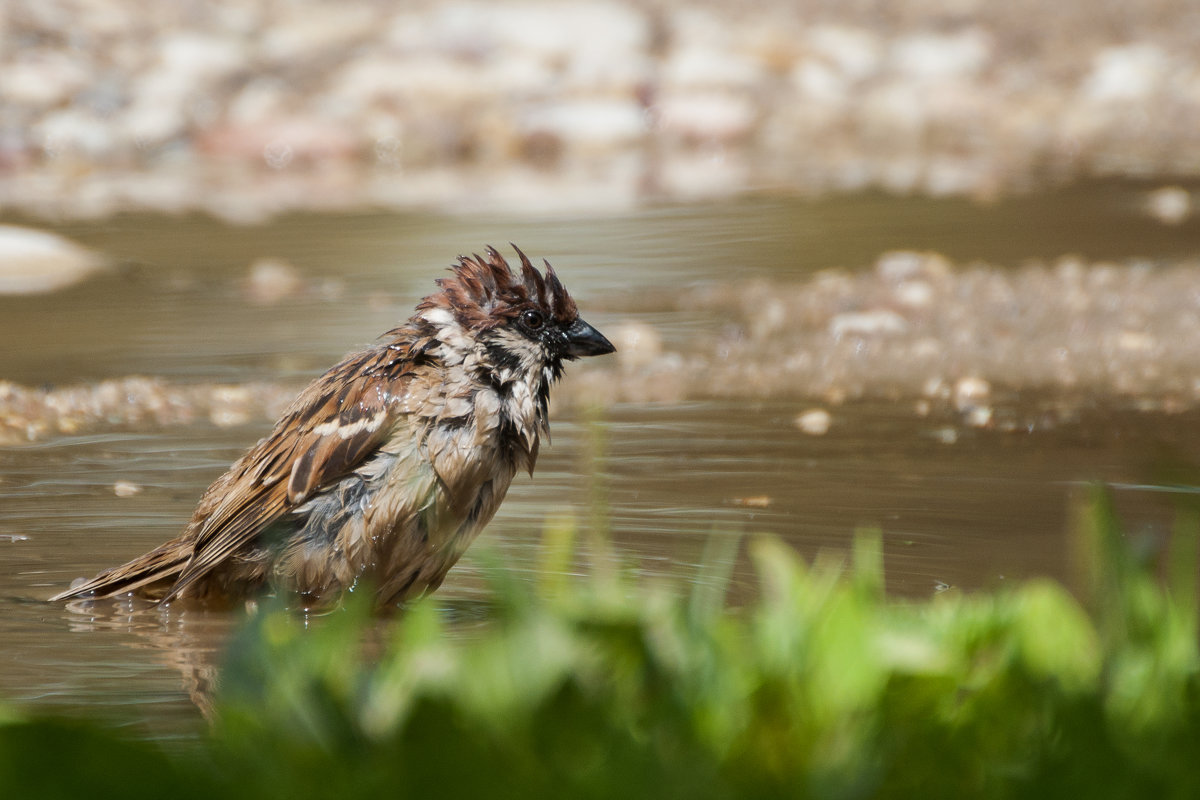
<point x="1170" y="205"/>
<point x="1126" y="73"/>
<point x="929" y="56"/>
<point x="900" y="265"/>
<point x="699" y="66"/>
<point x="914" y="294"/>
<point x="707" y="116"/>
<point x="269" y="281"/>
<point x="467" y="93"/>
<point x="978" y="416"/>
<point x="126" y="489"/>
<point x="945" y="435"/>
<point x="819" y="82"/>
<point x="867" y="323"/>
<point x="1136" y="341"/>
<point x="43" y="79"/>
<point x="638" y="344"/>
<point x="855" y="52"/>
<point x="36" y="262"/>
<point x="971" y="392"/>
<point x="589" y="124"/>
<point x="231" y="406"/>
<point x="74" y="133"/>
<point x="756" y="501"/>
<point x="814" y="422"/>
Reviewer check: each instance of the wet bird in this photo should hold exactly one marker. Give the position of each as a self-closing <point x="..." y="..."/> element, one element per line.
<point x="385" y="468"/>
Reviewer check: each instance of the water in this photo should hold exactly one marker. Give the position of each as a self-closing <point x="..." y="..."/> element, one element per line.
<point x="959" y="508"/>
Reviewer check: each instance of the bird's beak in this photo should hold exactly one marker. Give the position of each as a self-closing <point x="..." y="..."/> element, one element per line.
<point x="584" y="340"/>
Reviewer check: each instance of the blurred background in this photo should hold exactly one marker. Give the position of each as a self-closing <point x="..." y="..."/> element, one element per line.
<point x="244" y="109"/>
<point x="926" y="266"/>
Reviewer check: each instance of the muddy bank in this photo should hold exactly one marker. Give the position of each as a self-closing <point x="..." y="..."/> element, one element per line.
<point x="968" y="340"/>
<point x="251" y="108"/>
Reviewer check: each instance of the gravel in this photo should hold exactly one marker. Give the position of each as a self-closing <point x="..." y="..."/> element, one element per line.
<point x="249" y="108"/>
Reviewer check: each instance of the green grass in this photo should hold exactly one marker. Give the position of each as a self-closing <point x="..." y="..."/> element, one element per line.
<point x="599" y="686"/>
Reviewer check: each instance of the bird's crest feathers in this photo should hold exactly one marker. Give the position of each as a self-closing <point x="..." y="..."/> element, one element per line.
<point x="484" y="291"/>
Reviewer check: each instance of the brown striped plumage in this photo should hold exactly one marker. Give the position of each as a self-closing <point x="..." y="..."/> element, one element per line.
<point x="386" y="467"/>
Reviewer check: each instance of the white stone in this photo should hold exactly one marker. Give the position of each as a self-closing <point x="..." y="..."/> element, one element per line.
<point x="1124" y="73"/>
<point x="593" y="41"/>
<point x="978" y="416"/>
<point x="936" y="56"/>
<point x="945" y="435"/>
<point x="703" y="174"/>
<point x="188" y="65"/>
<point x="814" y="422"/>
<point x="914" y="294"/>
<point x="1136" y="341"/>
<point x="150" y="123"/>
<point x="899" y="265"/>
<point x="867" y="323"/>
<point x="701" y="67"/>
<point x="46" y="79"/>
<point x="441" y="81"/>
<point x="270" y="280"/>
<point x="35" y="262"/>
<point x="971" y="392"/>
<point x="951" y="176"/>
<point x="819" y="82"/>
<point x="586" y="32"/>
<point x="258" y="100"/>
<point x="638" y="344"/>
<point x="314" y="27"/>
<point x="1170" y="205"/>
<point x="198" y="57"/>
<point x="855" y="52"/>
<point x="589" y="122"/>
<point x="126" y="489"/>
<point x="708" y="115"/>
<point x="896" y="109"/>
<point x="74" y="131"/>
<point x="935" y="388"/>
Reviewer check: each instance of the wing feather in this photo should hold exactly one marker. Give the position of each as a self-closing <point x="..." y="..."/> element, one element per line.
<point x="333" y="427"/>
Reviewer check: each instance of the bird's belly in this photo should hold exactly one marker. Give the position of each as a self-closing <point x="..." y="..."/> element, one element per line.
<point x="422" y="546"/>
<point x="395" y="526"/>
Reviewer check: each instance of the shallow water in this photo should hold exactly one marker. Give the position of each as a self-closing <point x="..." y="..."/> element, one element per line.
<point x="960" y="508"/>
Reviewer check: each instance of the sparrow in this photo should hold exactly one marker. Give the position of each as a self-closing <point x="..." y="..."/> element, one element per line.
<point x="385" y="468"/>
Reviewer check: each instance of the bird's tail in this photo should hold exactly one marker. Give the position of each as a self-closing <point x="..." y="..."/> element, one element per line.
<point x="144" y="574"/>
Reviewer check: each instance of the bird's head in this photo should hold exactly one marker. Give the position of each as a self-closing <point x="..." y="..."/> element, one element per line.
<point x="515" y="325"/>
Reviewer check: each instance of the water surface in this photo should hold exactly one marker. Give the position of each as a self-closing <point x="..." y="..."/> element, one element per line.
<point x="960" y="508"/>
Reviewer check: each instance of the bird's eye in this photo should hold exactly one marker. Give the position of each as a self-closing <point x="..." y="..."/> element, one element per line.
<point x="532" y="319"/>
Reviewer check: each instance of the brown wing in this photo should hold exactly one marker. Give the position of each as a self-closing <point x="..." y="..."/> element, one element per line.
<point x="332" y="427"/>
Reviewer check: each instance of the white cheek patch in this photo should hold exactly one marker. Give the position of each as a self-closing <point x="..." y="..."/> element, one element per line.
<point x="531" y="355"/>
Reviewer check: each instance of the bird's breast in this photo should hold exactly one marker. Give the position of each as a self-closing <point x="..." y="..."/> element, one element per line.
<point x="467" y="449"/>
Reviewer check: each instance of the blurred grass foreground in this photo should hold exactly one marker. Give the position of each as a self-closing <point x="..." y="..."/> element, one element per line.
<point x="601" y="687"/>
